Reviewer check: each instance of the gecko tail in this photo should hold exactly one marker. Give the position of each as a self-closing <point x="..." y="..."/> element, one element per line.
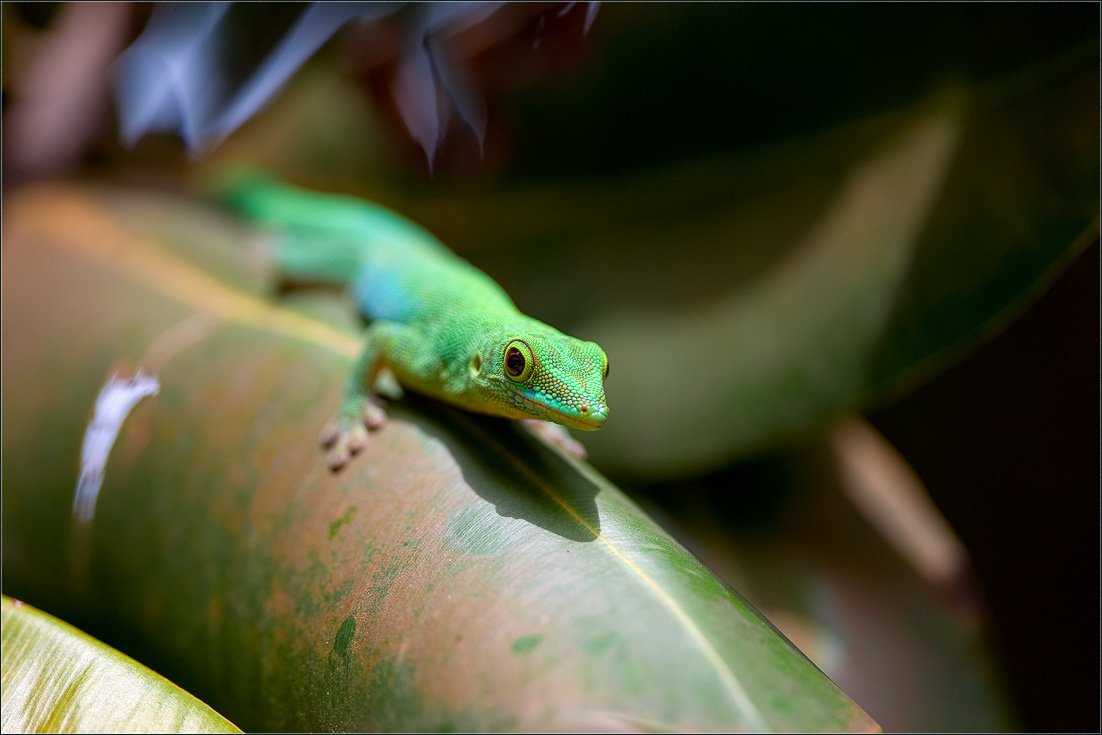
<point x="319" y="237"/>
<point x="260" y="197"/>
<point x="228" y="184"/>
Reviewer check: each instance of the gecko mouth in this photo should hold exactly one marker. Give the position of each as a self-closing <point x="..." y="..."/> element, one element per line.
<point x="591" y="420"/>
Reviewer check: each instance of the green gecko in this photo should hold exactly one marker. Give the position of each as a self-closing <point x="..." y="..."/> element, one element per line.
<point x="440" y="325"/>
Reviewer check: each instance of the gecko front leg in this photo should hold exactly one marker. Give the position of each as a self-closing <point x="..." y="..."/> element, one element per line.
<point x="360" y="410"/>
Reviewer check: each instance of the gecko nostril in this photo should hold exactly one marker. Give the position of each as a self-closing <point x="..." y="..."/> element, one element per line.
<point x="584" y="407"/>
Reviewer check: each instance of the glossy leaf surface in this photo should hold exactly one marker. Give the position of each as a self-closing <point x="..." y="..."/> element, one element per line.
<point x="459" y="575"/>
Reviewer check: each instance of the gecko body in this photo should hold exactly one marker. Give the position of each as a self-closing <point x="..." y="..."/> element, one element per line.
<point x="440" y="325"/>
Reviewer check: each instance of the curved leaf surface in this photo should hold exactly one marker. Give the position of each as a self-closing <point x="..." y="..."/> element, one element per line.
<point x="459" y="575"/>
<point x="58" y="679"/>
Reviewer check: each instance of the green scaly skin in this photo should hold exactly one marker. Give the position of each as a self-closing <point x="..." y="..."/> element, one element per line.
<point x="442" y="326"/>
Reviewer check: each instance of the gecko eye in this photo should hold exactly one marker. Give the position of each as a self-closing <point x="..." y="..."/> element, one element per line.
<point x="518" y="361"/>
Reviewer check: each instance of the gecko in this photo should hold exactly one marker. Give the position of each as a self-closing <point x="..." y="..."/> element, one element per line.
<point x="440" y="325"/>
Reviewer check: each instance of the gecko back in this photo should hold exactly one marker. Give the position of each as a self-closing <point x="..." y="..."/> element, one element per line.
<point x="397" y="270"/>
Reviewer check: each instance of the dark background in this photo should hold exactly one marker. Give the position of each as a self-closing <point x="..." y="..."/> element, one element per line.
<point x="1007" y="442"/>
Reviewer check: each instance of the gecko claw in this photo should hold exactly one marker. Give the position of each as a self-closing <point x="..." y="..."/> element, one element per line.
<point x="347" y="435"/>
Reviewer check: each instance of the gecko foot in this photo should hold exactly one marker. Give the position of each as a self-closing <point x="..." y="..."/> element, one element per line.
<point x="556" y="435"/>
<point x="346" y="435"/>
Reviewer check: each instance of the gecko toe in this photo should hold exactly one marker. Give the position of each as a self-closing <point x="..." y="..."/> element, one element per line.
<point x="329" y="435"/>
<point x="337" y="459"/>
<point x="355" y="439"/>
<point x="349" y="442"/>
<point x="347" y="434"/>
<point x="373" y="415"/>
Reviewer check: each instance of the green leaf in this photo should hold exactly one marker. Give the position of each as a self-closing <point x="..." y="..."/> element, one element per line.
<point x="460" y="574"/>
<point x="58" y="679"/>
<point x="790" y="346"/>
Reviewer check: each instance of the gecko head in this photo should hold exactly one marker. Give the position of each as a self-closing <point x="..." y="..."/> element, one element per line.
<point x="545" y="375"/>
